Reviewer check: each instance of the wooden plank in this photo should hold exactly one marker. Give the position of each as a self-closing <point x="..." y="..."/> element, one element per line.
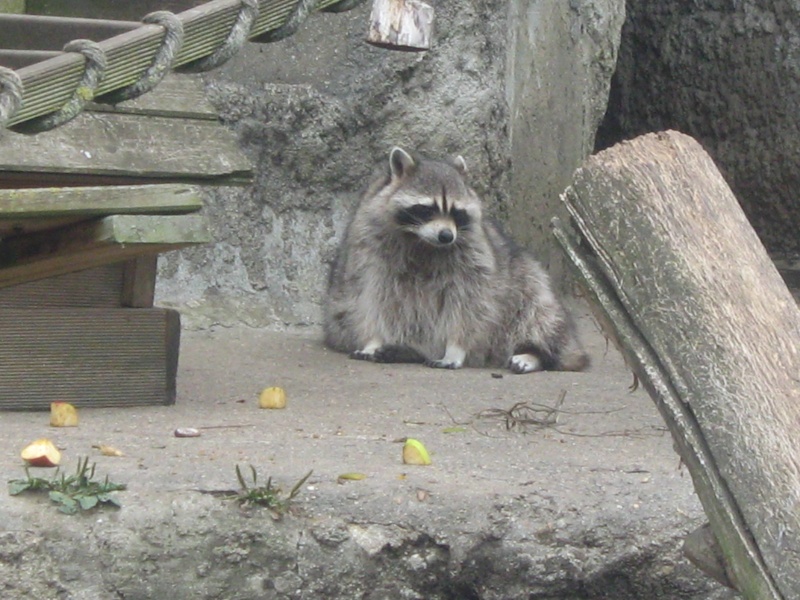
<point x="89" y="357"/>
<point x="178" y="96"/>
<point x="84" y="202"/>
<point x="695" y="291"/>
<point x="95" y="243"/>
<point x="16" y="59"/>
<point x="101" y="287"/>
<point x="132" y="11"/>
<point x="139" y="282"/>
<point x="49" y="84"/>
<point x="33" y="32"/>
<point x="124" y="146"/>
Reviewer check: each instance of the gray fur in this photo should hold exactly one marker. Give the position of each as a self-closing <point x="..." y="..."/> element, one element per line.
<point x="402" y="292"/>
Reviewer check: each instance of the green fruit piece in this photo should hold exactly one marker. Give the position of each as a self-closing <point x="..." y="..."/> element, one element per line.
<point x="414" y="453"/>
<point x="350" y="477"/>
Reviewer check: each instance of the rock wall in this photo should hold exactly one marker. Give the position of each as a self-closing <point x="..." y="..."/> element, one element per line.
<point x="728" y="74"/>
<point x="516" y="87"/>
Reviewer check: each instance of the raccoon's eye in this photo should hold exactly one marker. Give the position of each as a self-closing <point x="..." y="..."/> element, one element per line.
<point x="461" y="218"/>
<point x="414" y="215"/>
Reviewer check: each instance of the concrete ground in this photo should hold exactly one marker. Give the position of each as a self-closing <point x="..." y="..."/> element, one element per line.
<point x="593" y="506"/>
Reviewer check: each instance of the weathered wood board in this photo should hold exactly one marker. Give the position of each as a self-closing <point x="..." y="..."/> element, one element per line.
<point x="94" y="243"/>
<point x="108" y="145"/>
<point x="37" y="209"/>
<point x="89" y="357"/>
<point x="684" y="284"/>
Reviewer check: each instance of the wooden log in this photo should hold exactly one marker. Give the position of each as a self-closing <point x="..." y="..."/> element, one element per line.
<point x="94" y="243"/>
<point x="401" y="25"/>
<point x="90" y="357"/>
<point x="685" y="285"/>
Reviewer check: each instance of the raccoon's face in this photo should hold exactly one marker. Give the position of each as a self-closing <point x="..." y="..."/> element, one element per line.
<point x="432" y="201"/>
<point x="433" y="219"/>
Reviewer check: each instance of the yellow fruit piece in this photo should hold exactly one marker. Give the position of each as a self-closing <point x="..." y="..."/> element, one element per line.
<point x="272" y="397"/>
<point x="41" y="453"/>
<point x="414" y="453"/>
<point x="63" y="414"/>
<point x="106" y="450"/>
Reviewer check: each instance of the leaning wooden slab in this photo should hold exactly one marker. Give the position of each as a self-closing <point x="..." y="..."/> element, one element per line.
<point x="682" y="283"/>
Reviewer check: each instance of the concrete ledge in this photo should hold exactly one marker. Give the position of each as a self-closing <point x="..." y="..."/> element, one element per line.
<point x="596" y="509"/>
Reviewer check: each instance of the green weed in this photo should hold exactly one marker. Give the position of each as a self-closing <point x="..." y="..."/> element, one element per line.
<point x="72" y="493"/>
<point x="269" y="496"/>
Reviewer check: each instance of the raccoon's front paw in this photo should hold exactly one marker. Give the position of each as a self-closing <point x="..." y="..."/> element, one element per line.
<point x="453" y="358"/>
<point x="443" y="364"/>
<point x="524" y="363"/>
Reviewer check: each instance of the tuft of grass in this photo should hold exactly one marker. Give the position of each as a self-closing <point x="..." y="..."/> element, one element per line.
<point x="269" y="496"/>
<point x="72" y="493"/>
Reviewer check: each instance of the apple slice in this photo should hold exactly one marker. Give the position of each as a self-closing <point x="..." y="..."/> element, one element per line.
<point x="272" y="397"/>
<point x="63" y="414"/>
<point x="414" y="453"/>
<point x="41" y="453"/>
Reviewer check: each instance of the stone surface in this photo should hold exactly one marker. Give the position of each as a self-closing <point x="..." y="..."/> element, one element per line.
<point x="594" y="507"/>
<point x="561" y="57"/>
<point x="728" y="74"/>
<point x="516" y="87"/>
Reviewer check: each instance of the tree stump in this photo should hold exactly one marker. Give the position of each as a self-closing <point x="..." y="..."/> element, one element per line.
<point x="682" y="283"/>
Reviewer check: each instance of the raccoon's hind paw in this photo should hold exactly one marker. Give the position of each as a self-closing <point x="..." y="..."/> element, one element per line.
<point x="443" y="364"/>
<point x="364" y="355"/>
<point x="388" y="354"/>
<point x="524" y="363"/>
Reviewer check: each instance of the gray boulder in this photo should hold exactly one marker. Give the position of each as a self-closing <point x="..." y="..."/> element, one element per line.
<point x="728" y="74"/>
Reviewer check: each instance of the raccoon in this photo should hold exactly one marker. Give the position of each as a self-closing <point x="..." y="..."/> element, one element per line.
<point x="422" y="276"/>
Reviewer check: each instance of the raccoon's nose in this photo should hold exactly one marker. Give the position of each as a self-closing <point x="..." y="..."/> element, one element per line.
<point x="446" y="236"/>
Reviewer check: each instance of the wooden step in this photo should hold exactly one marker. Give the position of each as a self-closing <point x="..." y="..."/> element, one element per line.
<point x="89" y="357"/>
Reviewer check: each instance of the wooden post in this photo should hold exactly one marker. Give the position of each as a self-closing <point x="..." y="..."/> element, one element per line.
<point x="405" y="25"/>
<point x="684" y="285"/>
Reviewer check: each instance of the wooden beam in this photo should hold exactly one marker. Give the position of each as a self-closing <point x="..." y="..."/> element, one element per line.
<point x="139" y="281"/>
<point x="41" y="203"/>
<point x="94" y="243"/>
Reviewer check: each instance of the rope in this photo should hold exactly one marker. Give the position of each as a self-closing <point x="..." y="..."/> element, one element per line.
<point x="10" y="94"/>
<point x="162" y="63"/>
<point x="93" y="72"/>
<point x="248" y="14"/>
<point x="301" y="11"/>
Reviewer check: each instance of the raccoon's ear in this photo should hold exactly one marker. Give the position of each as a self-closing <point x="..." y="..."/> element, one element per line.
<point x="461" y="165"/>
<point x="400" y="162"/>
